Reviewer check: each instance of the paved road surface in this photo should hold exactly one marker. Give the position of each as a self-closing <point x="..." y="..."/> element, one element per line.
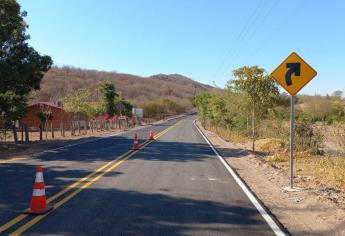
<point x="173" y="186"/>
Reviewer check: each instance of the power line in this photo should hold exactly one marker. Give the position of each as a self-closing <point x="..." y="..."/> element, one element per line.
<point x="249" y="23"/>
<point x="245" y="41"/>
<point x="288" y="17"/>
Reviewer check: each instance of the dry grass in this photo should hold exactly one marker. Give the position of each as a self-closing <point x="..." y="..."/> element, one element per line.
<point x="328" y="171"/>
<point x="228" y="135"/>
<point x="277" y="157"/>
<point x="317" y="170"/>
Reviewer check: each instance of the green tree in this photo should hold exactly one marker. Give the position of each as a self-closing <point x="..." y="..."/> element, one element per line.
<point x="171" y="107"/>
<point x="108" y="96"/>
<point x="80" y="102"/>
<point x="260" y="90"/>
<point x="152" y="109"/>
<point x="21" y="67"/>
<point x="128" y="107"/>
<point x="123" y="106"/>
<point x="218" y="110"/>
<point x="95" y="109"/>
<point x="76" y="101"/>
<point x="202" y="103"/>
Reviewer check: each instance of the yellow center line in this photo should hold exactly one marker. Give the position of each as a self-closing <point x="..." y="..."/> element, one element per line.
<point x="116" y="162"/>
<point x="63" y="191"/>
<point x="35" y="220"/>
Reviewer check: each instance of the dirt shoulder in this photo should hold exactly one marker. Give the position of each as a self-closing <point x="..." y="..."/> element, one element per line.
<point x="304" y="212"/>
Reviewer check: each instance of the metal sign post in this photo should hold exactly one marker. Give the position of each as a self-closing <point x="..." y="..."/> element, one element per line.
<point x="293" y="74"/>
<point x="292" y="134"/>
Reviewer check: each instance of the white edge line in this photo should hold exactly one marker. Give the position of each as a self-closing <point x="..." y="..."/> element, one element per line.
<point x="276" y="229"/>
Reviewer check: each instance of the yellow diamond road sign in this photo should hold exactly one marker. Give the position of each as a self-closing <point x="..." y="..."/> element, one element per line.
<point x="293" y="74"/>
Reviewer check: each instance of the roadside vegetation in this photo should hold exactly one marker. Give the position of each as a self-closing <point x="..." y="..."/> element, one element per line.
<point x="93" y="97"/>
<point x="21" y="66"/>
<point x="253" y="113"/>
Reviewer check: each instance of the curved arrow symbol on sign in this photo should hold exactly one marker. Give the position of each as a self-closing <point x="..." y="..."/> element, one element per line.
<point x="293" y="68"/>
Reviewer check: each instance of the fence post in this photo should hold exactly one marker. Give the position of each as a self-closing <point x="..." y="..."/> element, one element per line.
<point x="41" y="135"/>
<point x="26" y="133"/>
<point x="15" y="136"/>
<point x="22" y="133"/>
<point x="72" y="128"/>
<point x="52" y="129"/>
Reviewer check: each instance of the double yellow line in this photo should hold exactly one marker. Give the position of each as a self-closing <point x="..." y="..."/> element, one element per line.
<point x="89" y="179"/>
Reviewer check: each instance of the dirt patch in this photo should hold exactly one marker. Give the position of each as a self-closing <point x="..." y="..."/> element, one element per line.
<point x="309" y="211"/>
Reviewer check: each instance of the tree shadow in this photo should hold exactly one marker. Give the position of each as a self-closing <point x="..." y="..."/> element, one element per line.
<point x="17" y="180"/>
<point x="233" y="152"/>
<point x="68" y="164"/>
<point x="175" y="151"/>
<point x="120" y="212"/>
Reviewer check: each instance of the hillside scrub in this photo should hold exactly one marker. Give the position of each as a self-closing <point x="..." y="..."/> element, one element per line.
<point x="327" y="109"/>
<point x="231" y="112"/>
<point x="319" y="120"/>
<point x="58" y="82"/>
<point x="155" y="109"/>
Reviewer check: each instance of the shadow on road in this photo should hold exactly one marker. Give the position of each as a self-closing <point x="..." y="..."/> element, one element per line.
<point x="147" y="211"/>
<point x="137" y="213"/>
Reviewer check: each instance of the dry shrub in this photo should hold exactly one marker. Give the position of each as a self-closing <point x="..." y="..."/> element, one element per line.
<point x="273" y="128"/>
<point x="307" y="138"/>
<point x="270" y="145"/>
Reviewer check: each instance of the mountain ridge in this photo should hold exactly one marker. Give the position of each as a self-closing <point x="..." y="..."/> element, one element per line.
<point x="58" y="82"/>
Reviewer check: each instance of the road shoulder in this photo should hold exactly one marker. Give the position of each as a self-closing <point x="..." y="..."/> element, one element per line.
<point x="301" y="212"/>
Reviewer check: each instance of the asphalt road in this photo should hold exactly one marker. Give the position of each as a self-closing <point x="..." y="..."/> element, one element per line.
<point x="172" y="186"/>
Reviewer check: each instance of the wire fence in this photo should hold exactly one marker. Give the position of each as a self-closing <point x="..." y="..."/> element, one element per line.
<point x="34" y="130"/>
<point x="57" y="129"/>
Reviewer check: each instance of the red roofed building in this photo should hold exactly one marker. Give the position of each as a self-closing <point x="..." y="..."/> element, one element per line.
<point x="58" y="115"/>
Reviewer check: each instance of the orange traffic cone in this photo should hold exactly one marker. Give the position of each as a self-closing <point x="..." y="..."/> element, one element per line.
<point x="136" y="143"/>
<point x="151" y="135"/>
<point x="38" y="203"/>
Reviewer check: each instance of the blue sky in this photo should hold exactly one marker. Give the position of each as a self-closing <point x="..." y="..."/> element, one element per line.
<point x="202" y="39"/>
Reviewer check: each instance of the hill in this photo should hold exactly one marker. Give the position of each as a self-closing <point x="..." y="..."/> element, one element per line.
<point x="58" y="82"/>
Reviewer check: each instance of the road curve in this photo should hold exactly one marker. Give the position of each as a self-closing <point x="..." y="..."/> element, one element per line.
<point x="173" y="186"/>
